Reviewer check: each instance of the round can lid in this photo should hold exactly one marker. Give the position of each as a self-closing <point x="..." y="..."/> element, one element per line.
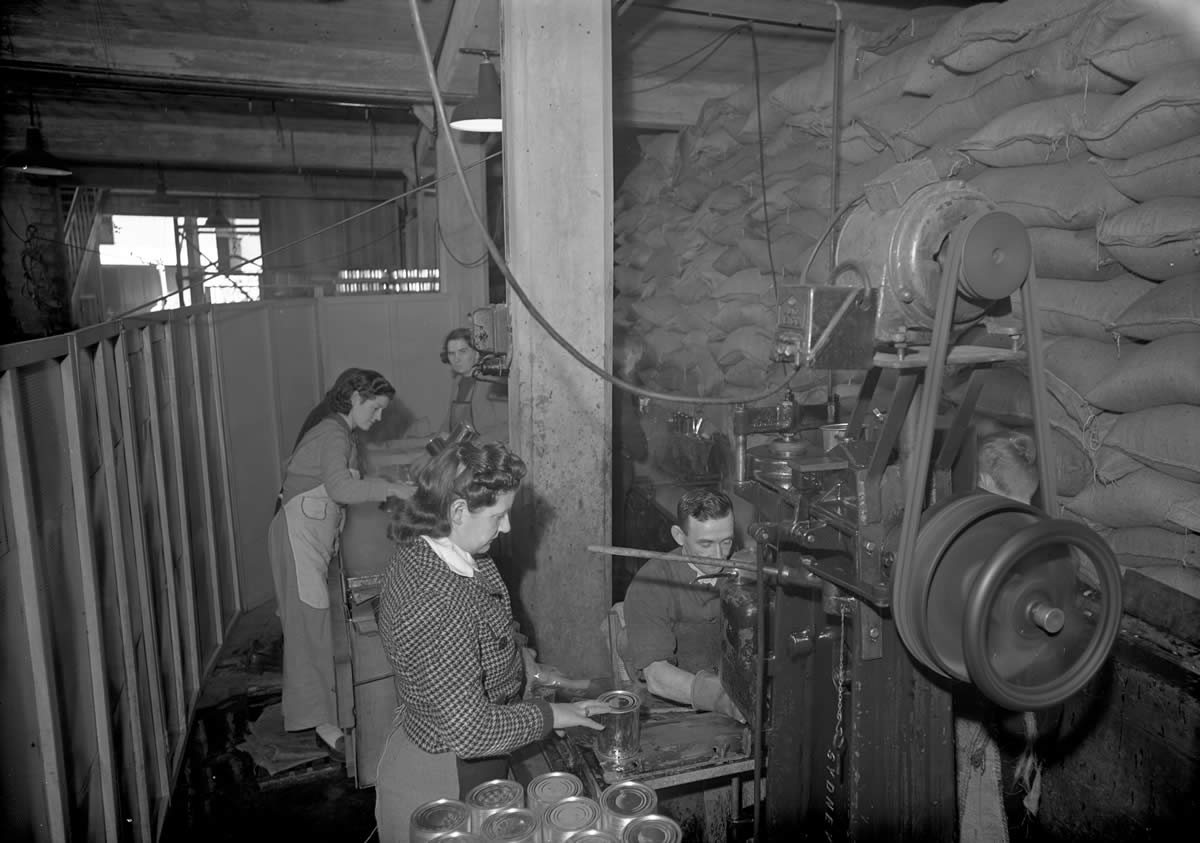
<point x="552" y="787"/>
<point x="629" y="799"/>
<point x="652" y="828"/>
<point x="509" y="824"/>
<point x="574" y="813"/>
<point x="441" y="815"/>
<point x="620" y="700"/>
<point x="497" y="793"/>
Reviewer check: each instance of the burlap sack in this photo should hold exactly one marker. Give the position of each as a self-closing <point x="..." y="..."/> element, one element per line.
<point x="1166" y="438"/>
<point x="1078" y="255"/>
<point x="1172" y="170"/>
<point x="1040" y="132"/>
<point x="1170" y="308"/>
<point x="1162" y="109"/>
<point x="1143" y="47"/>
<point x="929" y="73"/>
<point x="1158" y="239"/>
<point x="1011" y="27"/>
<point x="1165" y="371"/>
<point x="1143" y="498"/>
<point x="1068" y="195"/>
<point x="1084" y="308"/>
<point x="1137" y="547"/>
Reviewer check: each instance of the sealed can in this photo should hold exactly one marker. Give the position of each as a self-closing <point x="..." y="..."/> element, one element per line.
<point x="593" y="835"/>
<point x="652" y="828"/>
<point x="438" y="817"/>
<point x="512" y="825"/>
<point x="550" y="788"/>
<point x="492" y="797"/>
<point x="566" y="818"/>
<point x="622" y="734"/>
<point x="624" y="802"/>
<point x="459" y="837"/>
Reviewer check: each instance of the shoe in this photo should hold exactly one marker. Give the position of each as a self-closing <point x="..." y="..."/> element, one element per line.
<point x="336" y="751"/>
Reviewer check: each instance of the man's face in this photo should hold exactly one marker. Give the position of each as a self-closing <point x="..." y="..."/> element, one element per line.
<point x="461" y="356"/>
<point x="712" y="539"/>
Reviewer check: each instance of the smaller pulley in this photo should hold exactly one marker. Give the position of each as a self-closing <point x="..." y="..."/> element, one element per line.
<point x="991" y="596"/>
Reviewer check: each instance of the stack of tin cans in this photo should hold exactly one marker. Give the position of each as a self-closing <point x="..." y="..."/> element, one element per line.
<point x="552" y="809"/>
<point x="625" y="802"/>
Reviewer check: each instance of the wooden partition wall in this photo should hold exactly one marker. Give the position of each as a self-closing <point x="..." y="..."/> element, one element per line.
<point x="120" y="575"/>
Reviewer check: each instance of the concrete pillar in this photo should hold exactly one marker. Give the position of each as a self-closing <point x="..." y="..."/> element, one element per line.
<point x="460" y="244"/>
<point x="557" y="89"/>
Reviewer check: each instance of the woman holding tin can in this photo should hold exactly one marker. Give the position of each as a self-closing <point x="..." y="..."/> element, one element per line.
<point x="447" y="628"/>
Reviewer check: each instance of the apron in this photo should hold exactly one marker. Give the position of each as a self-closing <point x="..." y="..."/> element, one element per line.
<point x="460" y="406"/>
<point x="314" y="521"/>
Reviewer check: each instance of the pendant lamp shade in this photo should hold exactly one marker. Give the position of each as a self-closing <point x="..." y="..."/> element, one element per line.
<point x="481" y="114"/>
<point x="34" y="160"/>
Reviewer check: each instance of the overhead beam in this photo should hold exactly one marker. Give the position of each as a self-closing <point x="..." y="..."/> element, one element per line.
<point x="242" y="144"/>
<point x="364" y="48"/>
<point x="234" y="184"/>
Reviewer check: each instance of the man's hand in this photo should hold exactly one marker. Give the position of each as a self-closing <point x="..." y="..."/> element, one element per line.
<point x="709" y="695"/>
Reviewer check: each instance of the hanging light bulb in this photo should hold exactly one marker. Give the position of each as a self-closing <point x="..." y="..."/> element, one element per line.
<point x="481" y="114"/>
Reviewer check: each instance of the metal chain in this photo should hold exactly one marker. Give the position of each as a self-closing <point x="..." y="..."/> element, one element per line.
<point x="839" y="681"/>
<point x="833" y="758"/>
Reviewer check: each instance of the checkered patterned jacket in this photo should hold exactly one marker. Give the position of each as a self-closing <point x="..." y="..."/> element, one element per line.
<point x="453" y="645"/>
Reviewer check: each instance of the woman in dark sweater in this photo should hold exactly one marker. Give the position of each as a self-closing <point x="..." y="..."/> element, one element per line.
<point x="448" y="631"/>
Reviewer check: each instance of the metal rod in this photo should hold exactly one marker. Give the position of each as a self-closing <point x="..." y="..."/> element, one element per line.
<point x="679" y="557"/>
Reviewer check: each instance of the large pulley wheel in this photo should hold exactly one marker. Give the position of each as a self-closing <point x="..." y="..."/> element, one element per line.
<point x="990" y="596"/>
<point x="1028" y="640"/>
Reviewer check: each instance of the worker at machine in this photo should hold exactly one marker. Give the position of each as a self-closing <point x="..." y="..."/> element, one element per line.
<point x="673" y="611"/>
<point x="321" y="477"/>
<point x="446" y="622"/>
<point x="482" y="404"/>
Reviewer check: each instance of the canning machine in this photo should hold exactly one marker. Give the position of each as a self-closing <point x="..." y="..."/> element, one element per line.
<point x="886" y="582"/>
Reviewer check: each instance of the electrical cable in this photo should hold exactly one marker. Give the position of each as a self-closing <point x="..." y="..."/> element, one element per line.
<point x="711" y="52"/>
<point x="519" y="291"/>
<point x="480" y="261"/>
<point x="762" y="165"/>
<point x="648" y="73"/>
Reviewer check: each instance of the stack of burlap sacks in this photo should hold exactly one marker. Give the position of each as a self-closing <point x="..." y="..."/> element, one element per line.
<point x="1080" y="117"/>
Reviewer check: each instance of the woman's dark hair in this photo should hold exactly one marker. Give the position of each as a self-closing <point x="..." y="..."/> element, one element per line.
<point x="477" y="473"/>
<point x="366" y="382"/>
<point x="463" y="334"/>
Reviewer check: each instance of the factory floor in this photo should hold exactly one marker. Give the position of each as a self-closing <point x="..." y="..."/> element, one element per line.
<point x="222" y="794"/>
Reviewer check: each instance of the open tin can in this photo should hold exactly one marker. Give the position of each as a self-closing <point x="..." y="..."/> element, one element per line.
<point x="621" y="738"/>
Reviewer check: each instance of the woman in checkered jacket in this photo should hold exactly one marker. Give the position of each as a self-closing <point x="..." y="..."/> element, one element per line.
<point x="448" y="631"/>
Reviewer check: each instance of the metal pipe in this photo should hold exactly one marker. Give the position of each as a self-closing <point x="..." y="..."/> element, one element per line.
<point x="836" y="135"/>
<point x="611" y="550"/>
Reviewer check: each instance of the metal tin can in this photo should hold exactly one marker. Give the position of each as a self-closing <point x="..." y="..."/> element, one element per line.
<point x="492" y="797"/>
<point x="436" y="818"/>
<point x="621" y="738"/>
<point x="566" y="818"/>
<point x="623" y="803"/>
<point x="459" y="837"/>
<point x="652" y="828"/>
<point x="550" y="788"/>
<point x="512" y="825"/>
<point x="593" y="835"/>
